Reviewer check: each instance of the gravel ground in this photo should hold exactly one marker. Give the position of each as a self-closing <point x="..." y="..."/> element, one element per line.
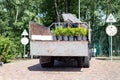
<point x="31" y="70"/>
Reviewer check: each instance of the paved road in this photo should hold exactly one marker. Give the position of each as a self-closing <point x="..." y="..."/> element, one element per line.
<point x="31" y="70"/>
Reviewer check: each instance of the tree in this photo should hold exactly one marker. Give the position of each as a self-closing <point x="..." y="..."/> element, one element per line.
<point x="16" y="14"/>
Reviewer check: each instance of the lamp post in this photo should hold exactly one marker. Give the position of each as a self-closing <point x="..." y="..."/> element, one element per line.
<point x="24" y="40"/>
<point x="79" y="9"/>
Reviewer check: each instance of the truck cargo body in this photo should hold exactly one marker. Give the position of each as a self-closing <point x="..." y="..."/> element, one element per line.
<point x="50" y="50"/>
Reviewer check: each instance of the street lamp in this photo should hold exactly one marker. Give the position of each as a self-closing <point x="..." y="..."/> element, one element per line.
<point x="79" y="9"/>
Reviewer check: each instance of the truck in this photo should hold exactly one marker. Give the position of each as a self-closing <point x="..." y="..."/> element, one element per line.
<point x="49" y="50"/>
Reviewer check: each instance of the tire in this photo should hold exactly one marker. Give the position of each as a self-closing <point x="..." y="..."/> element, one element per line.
<point x="80" y="62"/>
<point x="86" y="62"/>
<point x="49" y="64"/>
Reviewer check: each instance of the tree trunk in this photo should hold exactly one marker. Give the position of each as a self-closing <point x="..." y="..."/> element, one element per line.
<point x="66" y="5"/>
<point x="57" y="12"/>
<point x="17" y="11"/>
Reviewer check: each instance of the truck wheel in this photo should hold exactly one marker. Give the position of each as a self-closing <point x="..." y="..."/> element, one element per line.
<point x="49" y="64"/>
<point x="80" y="62"/>
<point x="86" y="62"/>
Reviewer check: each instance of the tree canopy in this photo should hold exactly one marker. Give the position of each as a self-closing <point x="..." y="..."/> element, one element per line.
<point x="16" y="14"/>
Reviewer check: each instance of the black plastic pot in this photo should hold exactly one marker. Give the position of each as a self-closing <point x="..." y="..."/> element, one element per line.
<point x="84" y="38"/>
<point x="65" y="38"/>
<point x="79" y="38"/>
<point x="54" y="38"/>
<point x="60" y="38"/>
<point x="70" y="38"/>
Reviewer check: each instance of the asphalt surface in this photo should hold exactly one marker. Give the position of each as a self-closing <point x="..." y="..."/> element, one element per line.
<point x="32" y="70"/>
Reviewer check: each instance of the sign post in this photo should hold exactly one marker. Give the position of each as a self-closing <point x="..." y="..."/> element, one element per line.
<point x="111" y="30"/>
<point x="24" y="41"/>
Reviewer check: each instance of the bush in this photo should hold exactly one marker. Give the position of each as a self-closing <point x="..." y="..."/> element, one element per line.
<point x="7" y="49"/>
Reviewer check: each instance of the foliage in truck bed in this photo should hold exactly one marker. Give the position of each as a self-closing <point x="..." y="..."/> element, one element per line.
<point x="60" y="31"/>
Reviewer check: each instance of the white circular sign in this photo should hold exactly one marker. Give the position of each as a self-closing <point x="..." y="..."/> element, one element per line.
<point x="24" y="40"/>
<point x="111" y="30"/>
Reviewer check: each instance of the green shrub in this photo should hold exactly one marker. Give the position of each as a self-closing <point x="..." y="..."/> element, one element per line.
<point x="7" y="49"/>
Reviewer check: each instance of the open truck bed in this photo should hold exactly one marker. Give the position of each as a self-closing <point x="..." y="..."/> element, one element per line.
<point x="50" y="50"/>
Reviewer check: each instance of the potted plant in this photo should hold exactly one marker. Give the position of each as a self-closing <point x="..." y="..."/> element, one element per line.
<point x="65" y="34"/>
<point x="57" y="33"/>
<point x="84" y="33"/>
<point x="54" y="34"/>
<point x="70" y="33"/>
<point x="78" y="33"/>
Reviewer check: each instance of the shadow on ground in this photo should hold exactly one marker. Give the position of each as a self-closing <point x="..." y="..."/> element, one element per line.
<point x="58" y="66"/>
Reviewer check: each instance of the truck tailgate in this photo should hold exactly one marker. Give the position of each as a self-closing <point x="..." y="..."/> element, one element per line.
<point x="59" y="48"/>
